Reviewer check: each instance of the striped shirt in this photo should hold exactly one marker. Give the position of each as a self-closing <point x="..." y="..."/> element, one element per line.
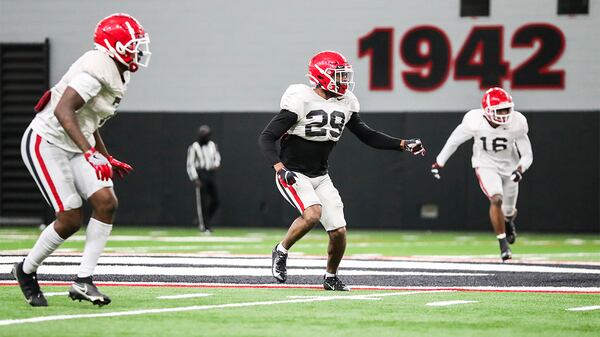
<point x="202" y="157"/>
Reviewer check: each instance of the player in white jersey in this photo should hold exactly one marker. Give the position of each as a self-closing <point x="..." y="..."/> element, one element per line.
<point x="65" y="154"/>
<point x="310" y="123"/>
<point x="501" y="154"/>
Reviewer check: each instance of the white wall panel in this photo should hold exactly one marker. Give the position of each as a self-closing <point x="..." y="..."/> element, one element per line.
<point x="241" y="55"/>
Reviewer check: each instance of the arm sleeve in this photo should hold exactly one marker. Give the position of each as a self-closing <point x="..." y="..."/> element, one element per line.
<point x="86" y="85"/>
<point x="267" y="140"/>
<point x="191" y="163"/>
<point x="460" y="135"/>
<point x="373" y="138"/>
<point x="524" y="147"/>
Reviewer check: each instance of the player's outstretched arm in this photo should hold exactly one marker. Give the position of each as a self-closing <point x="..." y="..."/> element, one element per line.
<point x="460" y="135"/>
<point x="380" y="140"/>
<point x="373" y="138"/>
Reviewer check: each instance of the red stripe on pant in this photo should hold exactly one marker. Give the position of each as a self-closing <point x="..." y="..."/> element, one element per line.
<point x="481" y="184"/>
<point x="294" y="194"/>
<point x="59" y="203"/>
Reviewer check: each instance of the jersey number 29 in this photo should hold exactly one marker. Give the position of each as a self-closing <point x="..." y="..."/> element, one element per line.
<point x="315" y="129"/>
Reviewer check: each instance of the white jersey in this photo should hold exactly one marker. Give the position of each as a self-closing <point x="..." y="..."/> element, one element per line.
<point x="318" y="119"/>
<point x="97" y="80"/>
<point x="502" y="148"/>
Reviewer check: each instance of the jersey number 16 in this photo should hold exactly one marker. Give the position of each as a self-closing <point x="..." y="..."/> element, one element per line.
<point x="498" y="144"/>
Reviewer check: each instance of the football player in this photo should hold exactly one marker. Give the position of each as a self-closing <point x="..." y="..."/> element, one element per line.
<point x="311" y="121"/>
<point x="65" y="154"/>
<point x="501" y="154"/>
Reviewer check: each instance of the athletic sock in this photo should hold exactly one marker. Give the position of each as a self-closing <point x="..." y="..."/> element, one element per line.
<point x="329" y="274"/>
<point x="501" y="236"/>
<point x="96" y="235"/>
<point x="45" y="245"/>
<point x="281" y="249"/>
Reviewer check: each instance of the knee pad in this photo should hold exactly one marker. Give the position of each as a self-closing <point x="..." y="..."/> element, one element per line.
<point x="508" y="210"/>
<point x="72" y="202"/>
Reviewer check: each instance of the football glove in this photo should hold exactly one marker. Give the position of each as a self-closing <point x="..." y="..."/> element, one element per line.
<point x="414" y="146"/>
<point x="287" y="176"/>
<point x="435" y="170"/>
<point x="119" y="167"/>
<point x="99" y="163"/>
<point x="516" y="176"/>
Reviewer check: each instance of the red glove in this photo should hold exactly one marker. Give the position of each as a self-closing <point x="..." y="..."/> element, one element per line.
<point x="121" y="168"/>
<point x="99" y="163"/>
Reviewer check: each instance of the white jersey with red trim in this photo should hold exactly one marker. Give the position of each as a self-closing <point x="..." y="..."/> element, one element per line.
<point x="319" y="119"/>
<point x="97" y="80"/>
<point x="502" y="148"/>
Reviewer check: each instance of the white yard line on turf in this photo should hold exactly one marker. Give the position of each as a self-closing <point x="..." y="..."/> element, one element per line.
<point x="556" y="290"/>
<point x="62" y="293"/>
<point x="176" y="297"/>
<point x="226" y="271"/>
<point x="315" y="263"/>
<point x="148" y="238"/>
<point x="190" y="308"/>
<point x="447" y="303"/>
<point x="590" y="308"/>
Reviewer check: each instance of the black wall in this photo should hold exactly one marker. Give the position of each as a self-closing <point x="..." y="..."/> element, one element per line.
<point x="380" y="189"/>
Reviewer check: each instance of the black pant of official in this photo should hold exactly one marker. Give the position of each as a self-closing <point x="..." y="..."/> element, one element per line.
<point x="207" y="198"/>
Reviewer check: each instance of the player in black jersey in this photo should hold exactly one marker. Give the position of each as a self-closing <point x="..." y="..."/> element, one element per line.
<point x="308" y="126"/>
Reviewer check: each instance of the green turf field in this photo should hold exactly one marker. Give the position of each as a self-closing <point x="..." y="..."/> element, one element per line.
<point x="308" y="312"/>
<point x="393" y="314"/>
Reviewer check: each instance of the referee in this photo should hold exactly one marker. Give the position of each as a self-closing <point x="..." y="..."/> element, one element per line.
<point x="203" y="159"/>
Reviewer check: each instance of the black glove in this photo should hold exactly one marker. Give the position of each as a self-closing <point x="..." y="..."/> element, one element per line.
<point x="516" y="176"/>
<point x="414" y="146"/>
<point x="435" y="170"/>
<point x="287" y="176"/>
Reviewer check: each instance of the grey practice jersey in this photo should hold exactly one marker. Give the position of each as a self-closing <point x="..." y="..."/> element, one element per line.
<point x="319" y="120"/>
<point x="502" y="148"/>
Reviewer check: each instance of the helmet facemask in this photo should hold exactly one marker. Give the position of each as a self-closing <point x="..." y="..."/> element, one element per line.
<point x="340" y="79"/>
<point x="500" y="114"/>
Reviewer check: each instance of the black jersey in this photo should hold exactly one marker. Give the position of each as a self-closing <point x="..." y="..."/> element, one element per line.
<point x="309" y="126"/>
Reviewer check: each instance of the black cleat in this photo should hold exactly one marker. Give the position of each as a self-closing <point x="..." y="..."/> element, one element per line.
<point x="511" y="231"/>
<point x="278" y="265"/>
<point x="84" y="289"/>
<point x="334" y="283"/>
<point x="505" y="252"/>
<point x="29" y="286"/>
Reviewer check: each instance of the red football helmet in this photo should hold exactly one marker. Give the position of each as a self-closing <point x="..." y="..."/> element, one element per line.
<point x="331" y="71"/>
<point x="497" y="105"/>
<point x="123" y="38"/>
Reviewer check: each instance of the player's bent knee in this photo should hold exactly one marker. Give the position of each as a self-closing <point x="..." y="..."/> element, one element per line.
<point x="312" y="214"/>
<point x="496" y="200"/>
<point x="104" y="202"/>
<point x="337" y="233"/>
<point x="69" y="221"/>
<point x="72" y="202"/>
